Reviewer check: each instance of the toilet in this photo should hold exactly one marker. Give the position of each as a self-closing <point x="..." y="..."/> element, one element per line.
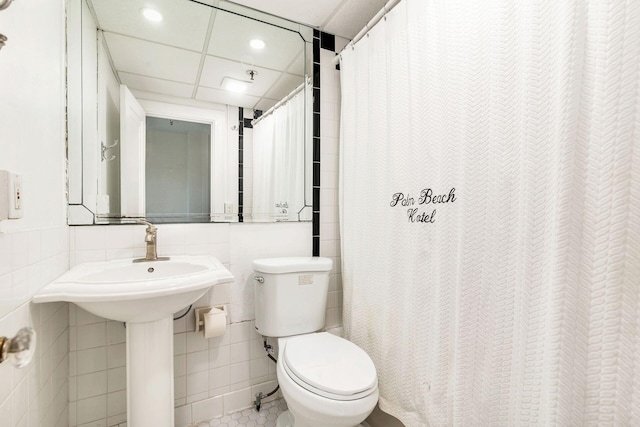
<point x="326" y="380"/>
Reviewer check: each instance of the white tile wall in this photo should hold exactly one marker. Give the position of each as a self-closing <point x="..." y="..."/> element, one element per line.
<point x="212" y="377"/>
<point x="34" y="249"/>
<point x="37" y="394"/>
<point x="329" y="226"/>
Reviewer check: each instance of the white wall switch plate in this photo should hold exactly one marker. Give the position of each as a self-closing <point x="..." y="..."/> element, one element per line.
<point x="11" y="195"/>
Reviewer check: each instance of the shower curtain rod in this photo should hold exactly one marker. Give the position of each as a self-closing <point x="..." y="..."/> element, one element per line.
<point x="378" y="16"/>
<point x="282" y="101"/>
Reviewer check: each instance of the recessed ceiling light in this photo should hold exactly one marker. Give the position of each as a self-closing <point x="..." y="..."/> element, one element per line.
<point x="257" y="44"/>
<point x="233" y="85"/>
<point x="151" y="14"/>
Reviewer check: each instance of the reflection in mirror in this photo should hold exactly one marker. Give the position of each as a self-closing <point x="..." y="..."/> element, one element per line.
<point x="220" y="66"/>
<point x="279" y="158"/>
<point x="178" y="170"/>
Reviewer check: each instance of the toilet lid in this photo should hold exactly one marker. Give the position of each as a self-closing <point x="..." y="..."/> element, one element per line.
<point x="330" y="366"/>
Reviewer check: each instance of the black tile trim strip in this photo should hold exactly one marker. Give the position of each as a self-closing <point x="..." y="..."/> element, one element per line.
<point x="317" y="35"/>
<point x="241" y="126"/>
<point x="316" y="75"/>
<point x="316" y="245"/>
<point x="316" y="100"/>
<point x="328" y="41"/>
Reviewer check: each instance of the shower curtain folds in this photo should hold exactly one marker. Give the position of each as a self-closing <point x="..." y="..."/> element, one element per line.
<point x="516" y="302"/>
<point x="280" y="141"/>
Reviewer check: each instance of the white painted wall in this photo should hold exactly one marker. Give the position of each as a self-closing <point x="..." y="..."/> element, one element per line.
<point x="32" y="109"/>
<point x="34" y="249"/>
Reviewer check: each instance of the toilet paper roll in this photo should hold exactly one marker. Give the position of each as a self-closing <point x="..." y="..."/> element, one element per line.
<point x="215" y="323"/>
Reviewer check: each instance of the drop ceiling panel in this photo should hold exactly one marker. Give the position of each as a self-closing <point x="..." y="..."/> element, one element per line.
<point x="166" y="58"/>
<point x="225" y="97"/>
<point x="284" y="86"/>
<point x="264" y="104"/>
<point x="184" y="25"/>
<point x="215" y="69"/>
<point x="154" y="60"/>
<point x="313" y="13"/>
<point x="297" y="66"/>
<point x="261" y="16"/>
<point x="231" y="36"/>
<point x="353" y="16"/>
<point x="149" y="84"/>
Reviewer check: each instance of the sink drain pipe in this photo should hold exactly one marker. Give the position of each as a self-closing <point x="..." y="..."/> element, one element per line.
<point x="175" y="318"/>
<point x="259" y="396"/>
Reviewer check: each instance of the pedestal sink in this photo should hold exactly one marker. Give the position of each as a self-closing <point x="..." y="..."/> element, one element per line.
<point x="145" y="295"/>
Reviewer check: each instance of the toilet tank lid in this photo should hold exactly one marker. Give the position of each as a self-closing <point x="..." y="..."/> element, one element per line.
<point x="292" y="264"/>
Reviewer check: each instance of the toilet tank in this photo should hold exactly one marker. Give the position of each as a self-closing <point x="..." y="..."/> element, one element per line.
<point x="290" y="295"/>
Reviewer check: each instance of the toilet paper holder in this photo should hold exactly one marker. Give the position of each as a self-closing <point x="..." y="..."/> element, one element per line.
<point x="200" y="313"/>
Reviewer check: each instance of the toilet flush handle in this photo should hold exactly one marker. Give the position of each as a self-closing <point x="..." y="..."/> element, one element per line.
<point x="258" y="279"/>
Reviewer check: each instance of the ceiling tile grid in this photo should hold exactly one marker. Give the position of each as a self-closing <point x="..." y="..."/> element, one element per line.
<point x="194" y="47"/>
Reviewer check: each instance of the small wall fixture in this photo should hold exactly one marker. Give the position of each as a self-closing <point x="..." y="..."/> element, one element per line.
<point x="104" y="148"/>
<point x="19" y="349"/>
<point x="5" y="4"/>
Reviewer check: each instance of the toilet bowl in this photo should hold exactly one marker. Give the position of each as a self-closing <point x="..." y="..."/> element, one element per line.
<point x="326" y="380"/>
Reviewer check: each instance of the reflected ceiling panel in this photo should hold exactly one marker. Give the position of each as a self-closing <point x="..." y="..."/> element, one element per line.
<point x="194" y="47"/>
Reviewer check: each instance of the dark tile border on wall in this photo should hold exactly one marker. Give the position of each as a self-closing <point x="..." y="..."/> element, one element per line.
<point x="241" y="126"/>
<point x="243" y="123"/>
<point x="327" y="41"/>
<point x="316" y="144"/>
<point x="321" y="40"/>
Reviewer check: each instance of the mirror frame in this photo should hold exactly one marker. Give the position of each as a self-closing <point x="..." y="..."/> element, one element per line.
<point x="82" y="122"/>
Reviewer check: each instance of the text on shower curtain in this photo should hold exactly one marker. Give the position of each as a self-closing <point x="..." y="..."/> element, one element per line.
<point x="416" y="208"/>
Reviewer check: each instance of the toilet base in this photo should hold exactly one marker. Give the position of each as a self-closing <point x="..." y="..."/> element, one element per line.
<point x="285" y="419"/>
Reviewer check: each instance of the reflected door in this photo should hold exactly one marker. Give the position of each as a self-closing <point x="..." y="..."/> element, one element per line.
<point x="178" y="170"/>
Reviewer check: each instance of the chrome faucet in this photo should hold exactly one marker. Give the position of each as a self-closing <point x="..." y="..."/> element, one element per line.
<point x="151" y="240"/>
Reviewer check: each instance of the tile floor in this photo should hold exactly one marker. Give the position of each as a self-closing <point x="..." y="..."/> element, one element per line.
<point x="249" y="417"/>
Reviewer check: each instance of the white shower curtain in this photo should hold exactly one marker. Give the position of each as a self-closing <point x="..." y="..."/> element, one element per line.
<point x="279" y="159"/>
<point x="490" y="211"/>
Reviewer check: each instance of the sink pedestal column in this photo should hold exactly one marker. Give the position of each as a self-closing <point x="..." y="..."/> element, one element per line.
<point x="150" y="373"/>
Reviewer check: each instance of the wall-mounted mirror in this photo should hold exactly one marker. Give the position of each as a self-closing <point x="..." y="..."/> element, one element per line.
<point x="187" y="111"/>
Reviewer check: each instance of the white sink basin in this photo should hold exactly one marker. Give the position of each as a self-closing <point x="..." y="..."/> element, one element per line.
<point x="145" y="295"/>
<point x="136" y="292"/>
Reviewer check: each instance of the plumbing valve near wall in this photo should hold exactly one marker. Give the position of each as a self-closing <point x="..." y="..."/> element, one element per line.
<point x="257" y="403"/>
<point x="212" y="321"/>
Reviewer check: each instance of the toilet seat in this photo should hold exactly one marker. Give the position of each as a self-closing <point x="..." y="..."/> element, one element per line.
<point x="329" y="366"/>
